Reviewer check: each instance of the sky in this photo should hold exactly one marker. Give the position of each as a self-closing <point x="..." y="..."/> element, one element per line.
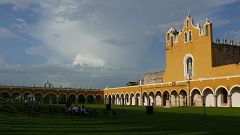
<point x="97" y="43"/>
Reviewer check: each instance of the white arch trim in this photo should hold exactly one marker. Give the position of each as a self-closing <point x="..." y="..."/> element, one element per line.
<point x="152" y="93"/>
<point x="157" y="92"/>
<point x="137" y="93"/>
<point x="195" y="88"/>
<point x="205" y="88"/>
<point x="221" y="86"/>
<point x="234" y="86"/>
<point x="173" y="91"/>
<point x="132" y="94"/>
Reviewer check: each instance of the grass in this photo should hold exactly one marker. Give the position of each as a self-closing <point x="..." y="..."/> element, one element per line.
<point x="127" y="120"/>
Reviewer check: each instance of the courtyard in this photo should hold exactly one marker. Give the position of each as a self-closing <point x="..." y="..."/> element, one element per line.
<point x="125" y="120"/>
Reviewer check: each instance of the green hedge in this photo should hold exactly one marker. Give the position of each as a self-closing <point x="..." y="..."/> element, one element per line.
<point x="17" y="107"/>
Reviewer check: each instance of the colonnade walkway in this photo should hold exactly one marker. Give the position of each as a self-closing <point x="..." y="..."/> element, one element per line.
<point x="51" y="95"/>
<point x="211" y="92"/>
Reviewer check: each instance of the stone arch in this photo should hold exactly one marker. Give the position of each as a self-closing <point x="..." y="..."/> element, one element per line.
<point x="106" y="99"/>
<point x="122" y="99"/>
<point x="81" y="99"/>
<point x="137" y="99"/>
<point x="109" y="99"/>
<point x="16" y="96"/>
<point x="127" y="101"/>
<point x="174" y="98"/>
<point x="118" y="100"/>
<point x="132" y="99"/>
<point x="145" y="99"/>
<point x="235" y="94"/>
<point x="183" y="98"/>
<point x="196" y="98"/>
<point x="208" y="95"/>
<point x="221" y="86"/>
<point x="28" y="97"/>
<point x="113" y="99"/>
<point x="50" y="98"/>
<point x="72" y="98"/>
<point x="5" y="96"/>
<point x="38" y="97"/>
<point x="165" y="97"/>
<point x="62" y="98"/>
<point x="158" y="98"/>
<point x="222" y="96"/>
<point x="99" y="99"/>
<point x="151" y="99"/>
<point x="90" y="99"/>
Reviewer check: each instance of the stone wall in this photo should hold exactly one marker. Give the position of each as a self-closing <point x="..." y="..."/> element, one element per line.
<point x="154" y="77"/>
<point x="223" y="54"/>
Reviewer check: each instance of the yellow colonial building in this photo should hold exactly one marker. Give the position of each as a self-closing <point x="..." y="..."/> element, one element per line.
<point x="198" y="72"/>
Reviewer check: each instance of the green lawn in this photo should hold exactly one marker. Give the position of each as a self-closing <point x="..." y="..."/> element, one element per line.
<point x="127" y="120"/>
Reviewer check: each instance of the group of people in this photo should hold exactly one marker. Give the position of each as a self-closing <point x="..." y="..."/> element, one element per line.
<point x="81" y="110"/>
<point x="75" y="109"/>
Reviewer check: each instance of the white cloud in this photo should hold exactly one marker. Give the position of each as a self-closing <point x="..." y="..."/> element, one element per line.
<point x="4" y="33"/>
<point x="88" y="61"/>
<point x="20" y="24"/>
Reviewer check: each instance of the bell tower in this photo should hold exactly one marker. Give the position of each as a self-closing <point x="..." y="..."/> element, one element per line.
<point x="188" y="51"/>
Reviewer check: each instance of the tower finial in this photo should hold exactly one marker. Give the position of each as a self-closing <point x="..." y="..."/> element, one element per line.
<point x="189" y="12"/>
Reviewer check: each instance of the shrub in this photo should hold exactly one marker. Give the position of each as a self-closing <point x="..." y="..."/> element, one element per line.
<point x="31" y="108"/>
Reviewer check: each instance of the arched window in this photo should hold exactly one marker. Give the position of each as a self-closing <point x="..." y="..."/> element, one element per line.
<point x="188" y="66"/>
<point x="171" y="42"/>
<point x="190" y="36"/>
<point x="187" y="24"/>
<point x="168" y="36"/>
<point x="185" y="37"/>
<point x="206" y="30"/>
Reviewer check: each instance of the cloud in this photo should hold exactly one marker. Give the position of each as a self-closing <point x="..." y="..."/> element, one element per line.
<point x="20" y="24"/>
<point x="88" y="61"/>
<point x="5" y="33"/>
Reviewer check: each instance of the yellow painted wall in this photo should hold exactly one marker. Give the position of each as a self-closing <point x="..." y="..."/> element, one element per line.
<point x="201" y="49"/>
